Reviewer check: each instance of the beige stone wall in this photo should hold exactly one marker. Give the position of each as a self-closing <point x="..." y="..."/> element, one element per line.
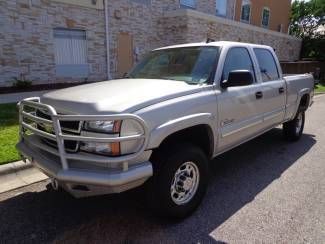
<point x="26" y="39"/>
<point x="191" y="26"/>
<point x="143" y="23"/>
<point x="140" y="21"/>
<point x="84" y="3"/>
<point x="26" y="33"/>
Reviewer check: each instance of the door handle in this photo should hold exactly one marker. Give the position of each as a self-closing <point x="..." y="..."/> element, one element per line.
<point x="259" y="95"/>
<point x="281" y="90"/>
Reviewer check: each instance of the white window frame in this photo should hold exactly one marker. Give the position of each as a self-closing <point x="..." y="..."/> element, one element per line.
<point x="244" y="3"/>
<point x="186" y="5"/>
<point x="268" y="21"/>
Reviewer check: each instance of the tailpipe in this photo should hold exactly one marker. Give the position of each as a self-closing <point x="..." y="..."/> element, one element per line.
<point x="55" y="184"/>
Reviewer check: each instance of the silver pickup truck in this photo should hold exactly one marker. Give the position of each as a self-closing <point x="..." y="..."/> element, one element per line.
<point x="161" y="124"/>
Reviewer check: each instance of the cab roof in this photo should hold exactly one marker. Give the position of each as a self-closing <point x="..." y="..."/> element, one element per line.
<point x="214" y="44"/>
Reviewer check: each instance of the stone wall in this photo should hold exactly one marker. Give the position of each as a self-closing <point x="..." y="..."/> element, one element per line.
<point x="26" y="33"/>
<point x="143" y="22"/>
<point x="26" y="39"/>
<point x="184" y="26"/>
<point x="140" y="21"/>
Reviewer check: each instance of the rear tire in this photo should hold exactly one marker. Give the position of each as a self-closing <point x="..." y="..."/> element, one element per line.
<point x="293" y="129"/>
<point x="179" y="182"/>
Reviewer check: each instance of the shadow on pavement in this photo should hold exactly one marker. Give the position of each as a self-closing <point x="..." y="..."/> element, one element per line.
<point x="236" y="178"/>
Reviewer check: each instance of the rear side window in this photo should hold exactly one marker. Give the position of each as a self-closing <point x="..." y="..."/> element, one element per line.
<point x="267" y="64"/>
<point x="237" y="59"/>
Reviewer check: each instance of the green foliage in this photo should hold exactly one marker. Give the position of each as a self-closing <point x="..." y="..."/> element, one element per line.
<point x="320" y="88"/>
<point x="313" y="48"/>
<point x="305" y="21"/>
<point x="8" y="133"/>
<point x="21" y="83"/>
<point x="306" y="17"/>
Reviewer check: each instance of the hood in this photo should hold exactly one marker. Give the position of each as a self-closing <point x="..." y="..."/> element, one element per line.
<point x="116" y="96"/>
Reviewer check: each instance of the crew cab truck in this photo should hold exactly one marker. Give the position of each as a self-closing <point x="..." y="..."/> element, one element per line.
<point x="161" y="124"/>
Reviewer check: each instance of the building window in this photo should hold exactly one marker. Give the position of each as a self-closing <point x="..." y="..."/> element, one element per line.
<point x="146" y="2"/>
<point x="70" y="47"/>
<point x="265" y="17"/>
<point x="245" y="11"/>
<point x="221" y="7"/>
<point x="187" y="3"/>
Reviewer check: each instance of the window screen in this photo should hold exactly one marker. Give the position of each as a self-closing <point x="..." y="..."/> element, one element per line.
<point x="237" y="59"/>
<point x="146" y="2"/>
<point x="70" y="46"/>
<point x="267" y="64"/>
<point x="187" y="3"/>
<point x="221" y="7"/>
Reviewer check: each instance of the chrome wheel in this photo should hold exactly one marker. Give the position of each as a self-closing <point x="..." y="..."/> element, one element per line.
<point x="299" y="123"/>
<point x="185" y="183"/>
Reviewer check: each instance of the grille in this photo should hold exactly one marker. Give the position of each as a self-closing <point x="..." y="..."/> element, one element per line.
<point x="69" y="127"/>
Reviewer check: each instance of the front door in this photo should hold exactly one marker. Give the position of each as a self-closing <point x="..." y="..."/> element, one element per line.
<point x="240" y="108"/>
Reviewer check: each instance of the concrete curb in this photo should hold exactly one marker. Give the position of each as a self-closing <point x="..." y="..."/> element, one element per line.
<point x="19" y="174"/>
<point x="14" y="167"/>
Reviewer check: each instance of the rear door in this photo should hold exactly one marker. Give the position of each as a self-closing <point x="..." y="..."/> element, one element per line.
<point x="240" y="109"/>
<point x="273" y="87"/>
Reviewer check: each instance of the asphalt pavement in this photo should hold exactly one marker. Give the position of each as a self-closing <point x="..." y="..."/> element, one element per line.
<point x="265" y="191"/>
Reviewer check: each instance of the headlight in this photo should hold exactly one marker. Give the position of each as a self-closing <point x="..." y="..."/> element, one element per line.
<point x="103" y="126"/>
<point x="93" y="128"/>
<point x="117" y="128"/>
<point x="111" y="149"/>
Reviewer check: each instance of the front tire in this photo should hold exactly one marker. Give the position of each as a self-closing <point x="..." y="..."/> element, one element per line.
<point x="179" y="182"/>
<point x="293" y="129"/>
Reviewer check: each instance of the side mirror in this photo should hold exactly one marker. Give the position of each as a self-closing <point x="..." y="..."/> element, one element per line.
<point x="238" y="78"/>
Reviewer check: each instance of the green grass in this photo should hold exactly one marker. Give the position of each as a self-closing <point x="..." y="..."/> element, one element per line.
<point x="320" y="87"/>
<point x="8" y="133"/>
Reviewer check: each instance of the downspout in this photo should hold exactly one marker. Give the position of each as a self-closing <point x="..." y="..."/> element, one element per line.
<point x="107" y="41"/>
<point x="235" y="5"/>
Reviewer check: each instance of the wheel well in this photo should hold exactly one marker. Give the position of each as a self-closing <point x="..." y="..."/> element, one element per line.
<point x="304" y="102"/>
<point x="199" y="135"/>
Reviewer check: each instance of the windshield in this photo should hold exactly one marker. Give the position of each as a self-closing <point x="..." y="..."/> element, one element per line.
<point x="190" y="64"/>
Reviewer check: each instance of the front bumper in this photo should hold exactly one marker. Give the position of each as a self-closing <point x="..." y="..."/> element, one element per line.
<point x="81" y="183"/>
<point x="81" y="173"/>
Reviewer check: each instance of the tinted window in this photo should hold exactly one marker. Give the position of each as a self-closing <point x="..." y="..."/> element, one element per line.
<point x="267" y="64"/>
<point x="237" y="59"/>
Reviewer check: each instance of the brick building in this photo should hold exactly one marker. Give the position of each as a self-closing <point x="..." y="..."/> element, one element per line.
<point x="269" y="14"/>
<point x="51" y="41"/>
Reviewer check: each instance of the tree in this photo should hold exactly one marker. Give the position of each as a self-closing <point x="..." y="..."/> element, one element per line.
<point x="306" y="22"/>
<point x="306" y="18"/>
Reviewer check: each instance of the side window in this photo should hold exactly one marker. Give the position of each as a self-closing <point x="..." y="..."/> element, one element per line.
<point x="267" y="64"/>
<point x="237" y="59"/>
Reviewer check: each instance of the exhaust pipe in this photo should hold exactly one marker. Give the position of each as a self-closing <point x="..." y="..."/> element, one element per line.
<point x="55" y="184"/>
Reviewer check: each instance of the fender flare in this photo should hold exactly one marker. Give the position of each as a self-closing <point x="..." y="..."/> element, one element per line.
<point x="301" y="93"/>
<point x="161" y="132"/>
